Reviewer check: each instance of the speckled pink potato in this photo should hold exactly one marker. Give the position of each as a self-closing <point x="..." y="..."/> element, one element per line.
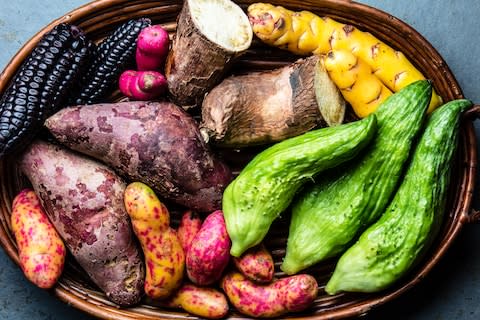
<point x="256" y="264"/>
<point x="209" y="252"/>
<point x="188" y="229"/>
<point x="290" y="294"/>
<point x="84" y="201"/>
<point x="40" y="248"/>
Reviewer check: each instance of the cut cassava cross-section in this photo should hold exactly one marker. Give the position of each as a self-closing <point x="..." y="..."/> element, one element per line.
<point x="264" y="107"/>
<point x="210" y="35"/>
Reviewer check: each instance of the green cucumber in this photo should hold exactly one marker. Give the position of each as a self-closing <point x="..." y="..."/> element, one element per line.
<point x="267" y="185"/>
<point x="391" y="247"/>
<point x="331" y="213"/>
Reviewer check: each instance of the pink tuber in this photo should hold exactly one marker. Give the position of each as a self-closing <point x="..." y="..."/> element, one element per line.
<point x="142" y="85"/>
<point x="209" y="252"/>
<point x="152" y="48"/>
<point x="188" y="229"/>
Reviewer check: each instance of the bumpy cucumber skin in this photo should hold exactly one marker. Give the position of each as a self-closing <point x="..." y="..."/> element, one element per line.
<point x="389" y="248"/>
<point x="267" y="185"/>
<point x="328" y="215"/>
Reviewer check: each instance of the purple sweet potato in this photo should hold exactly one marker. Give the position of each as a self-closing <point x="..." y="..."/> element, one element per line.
<point x="156" y="143"/>
<point x="84" y="201"/>
<point x="209" y="252"/>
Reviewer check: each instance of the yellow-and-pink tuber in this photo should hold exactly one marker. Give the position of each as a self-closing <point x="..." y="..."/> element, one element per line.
<point x="164" y="257"/>
<point x="41" y="250"/>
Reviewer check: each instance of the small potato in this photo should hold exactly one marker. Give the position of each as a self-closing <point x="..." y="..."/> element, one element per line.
<point x="201" y="301"/>
<point x="189" y="227"/>
<point x="42" y="252"/>
<point x="164" y="257"/>
<point x="256" y="264"/>
<point x="290" y="294"/>
<point x="209" y="252"/>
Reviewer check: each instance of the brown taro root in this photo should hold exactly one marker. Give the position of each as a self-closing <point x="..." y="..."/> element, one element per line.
<point x="211" y="34"/>
<point x="156" y="143"/>
<point x="264" y="107"/>
<point x="84" y="201"/>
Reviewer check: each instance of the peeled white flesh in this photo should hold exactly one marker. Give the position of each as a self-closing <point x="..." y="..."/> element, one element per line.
<point x="222" y="22"/>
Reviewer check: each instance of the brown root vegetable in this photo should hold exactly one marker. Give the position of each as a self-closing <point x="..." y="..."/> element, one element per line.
<point x="210" y="35"/>
<point x="156" y="143"/>
<point x="84" y="201"/>
<point x="271" y="106"/>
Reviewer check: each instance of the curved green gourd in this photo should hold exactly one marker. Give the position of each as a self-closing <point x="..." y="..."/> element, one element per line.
<point x="331" y="213"/>
<point x="266" y="186"/>
<point x="390" y="247"/>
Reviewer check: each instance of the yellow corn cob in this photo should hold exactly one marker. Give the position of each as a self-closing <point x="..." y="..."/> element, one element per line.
<point x="356" y="81"/>
<point x="305" y="33"/>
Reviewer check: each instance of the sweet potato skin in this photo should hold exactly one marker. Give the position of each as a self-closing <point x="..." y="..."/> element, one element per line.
<point x="84" y="201"/>
<point x="188" y="229"/>
<point x="290" y="294"/>
<point x="256" y="264"/>
<point x="201" y="301"/>
<point x="41" y="250"/>
<point x="209" y="252"/>
<point x="156" y="143"/>
<point x="164" y="257"/>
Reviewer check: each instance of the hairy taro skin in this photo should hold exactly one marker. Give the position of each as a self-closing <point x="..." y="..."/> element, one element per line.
<point x="204" y="302"/>
<point x="156" y="143"/>
<point x="290" y="294"/>
<point x="84" y="201"/>
<point x="209" y="252"/>
<point x="189" y="226"/>
<point x="41" y="250"/>
<point x="256" y="264"/>
<point x="164" y="256"/>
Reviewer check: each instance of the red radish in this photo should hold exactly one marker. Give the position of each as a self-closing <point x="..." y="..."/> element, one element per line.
<point x="142" y="85"/>
<point x="152" y="48"/>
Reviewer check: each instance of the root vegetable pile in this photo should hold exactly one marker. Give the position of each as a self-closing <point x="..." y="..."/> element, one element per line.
<point x="116" y="177"/>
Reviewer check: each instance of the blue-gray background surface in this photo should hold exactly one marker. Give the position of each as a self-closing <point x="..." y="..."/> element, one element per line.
<point x="451" y="291"/>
